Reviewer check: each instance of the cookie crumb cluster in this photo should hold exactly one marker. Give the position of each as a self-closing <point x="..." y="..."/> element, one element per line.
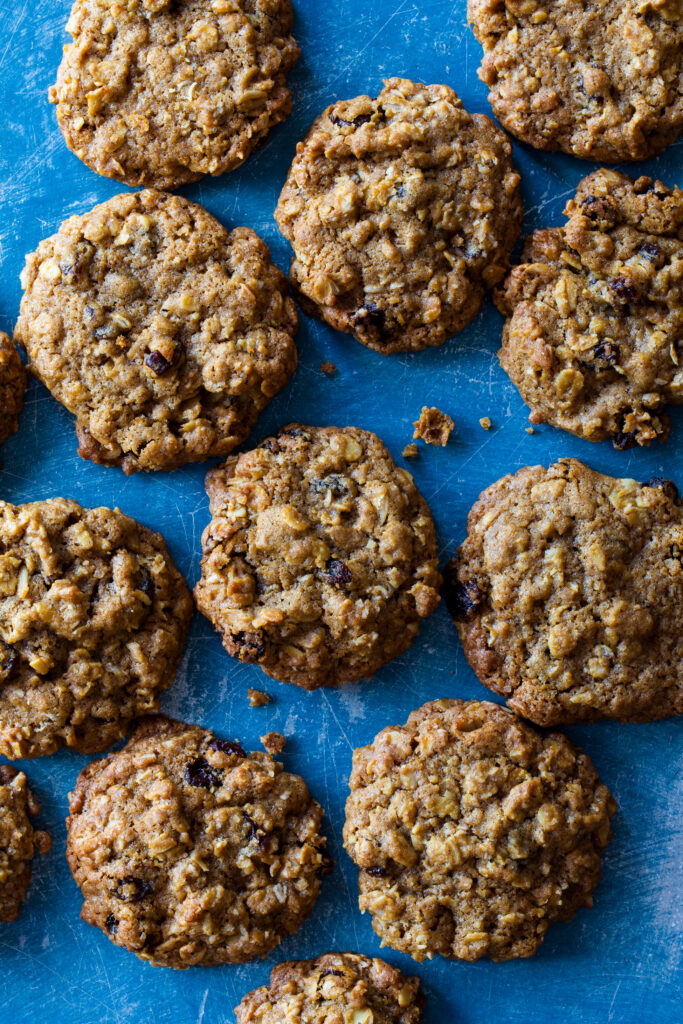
<point x="433" y="427"/>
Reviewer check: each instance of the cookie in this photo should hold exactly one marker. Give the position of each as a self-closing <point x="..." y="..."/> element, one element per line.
<point x="334" y="989"/>
<point x="567" y="595"/>
<point x="12" y="387"/>
<point x="320" y="558"/>
<point x="189" y="851"/>
<point x="402" y="210"/>
<point x="473" y="832"/>
<point x="19" y="841"/>
<point x="161" y="332"/>
<point x="593" y="335"/>
<point x="93" y="618"/>
<point x="600" y="79"/>
<point x="162" y="92"/>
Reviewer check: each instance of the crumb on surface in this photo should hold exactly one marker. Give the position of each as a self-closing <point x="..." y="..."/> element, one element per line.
<point x="274" y="742"/>
<point x="328" y="368"/>
<point x="530" y="430"/>
<point x="433" y="427"/>
<point x="410" y="451"/>
<point x="485" y="423"/>
<point x="257" y="698"/>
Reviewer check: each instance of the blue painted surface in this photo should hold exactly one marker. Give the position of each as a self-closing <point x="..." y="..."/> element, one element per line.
<point x="619" y="962"/>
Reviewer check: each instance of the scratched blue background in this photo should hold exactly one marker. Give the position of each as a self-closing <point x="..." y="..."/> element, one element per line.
<point x="618" y="962"/>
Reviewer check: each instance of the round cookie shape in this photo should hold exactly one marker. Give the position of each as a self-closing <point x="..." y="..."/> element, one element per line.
<point x="189" y="851"/>
<point x="402" y="211"/>
<point x="566" y="595"/>
<point x="599" y="79"/>
<point x="473" y="832"/>
<point x="594" y="313"/>
<point x="334" y="988"/>
<point x="12" y="387"/>
<point x="93" y="619"/>
<point x="161" y="332"/>
<point x="320" y="558"/>
<point x="162" y="92"/>
<point x="19" y="841"/>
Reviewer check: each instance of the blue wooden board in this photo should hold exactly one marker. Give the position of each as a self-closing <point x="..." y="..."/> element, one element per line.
<point x="620" y="961"/>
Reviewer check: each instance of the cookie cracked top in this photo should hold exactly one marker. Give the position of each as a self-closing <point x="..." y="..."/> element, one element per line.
<point x="12" y="387"/>
<point x="19" y="841"/>
<point x="566" y="594"/>
<point x="336" y="988"/>
<point x="593" y="336"/>
<point x="162" y="333"/>
<point x="320" y="558"/>
<point x="600" y="79"/>
<point x="189" y="851"/>
<point x="401" y="210"/>
<point x="473" y="832"/>
<point x="162" y="92"/>
<point x="93" y="618"/>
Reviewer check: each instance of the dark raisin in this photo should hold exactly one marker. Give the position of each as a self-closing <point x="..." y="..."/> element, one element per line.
<point x="248" y="647"/>
<point x="227" y="747"/>
<point x="377" y="872"/>
<point x="650" y="250"/>
<point x="668" y="486"/>
<point x="326" y="864"/>
<point x="201" y="774"/>
<point x="8" y="659"/>
<point x="111" y="924"/>
<point x="606" y="352"/>
<point x="157" y="363"/>
<point x="107" y="332"/>
<point x="270" y="445"/>
<point x="296" y="432"/>
<point x="333" y="483"/>
<point x="400" y="191"/>
<point x="624" y="289"/>
<point x="146" y="581"/>
<point x="356" y="122"/>
<point x="371" y="320"/>
<point x="461" y="598"/>
<point x="600" y="211"/>
<point x="256" y="833"/>
<point x="131" y="889"/>
<point x="623" y="440"/>
<point x="337" y="573"/>
<point x="328" y="972"/>
<point x="89" y="313"/>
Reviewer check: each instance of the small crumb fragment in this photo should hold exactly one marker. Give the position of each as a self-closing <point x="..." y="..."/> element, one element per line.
<point x="530" y="430"/>
<point x="257" y="698"/>
<point x="485" y="423"/>
<point x="433" y="427"/>
<point x="410" y="451"/>
<point x="328" y="368"/>
<point x="274" y="742"/>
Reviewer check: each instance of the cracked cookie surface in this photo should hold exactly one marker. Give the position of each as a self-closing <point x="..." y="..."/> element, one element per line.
<point x="93" y="618"/>
<point x="600" y="79"/>
<point x="162" y="92"/>
<point x="336" y="988"/>
<point x="162" y="333"/>
<point x="189" y="851"/>
<point x="19" y="841"/>
<point x="402" y="211"/>
<point x="12" y="387"/>
<point x="473" y="832"/>
<point x="593" y="336"/>
<point x="320" y="558"/>
<point x="566" y="594"/>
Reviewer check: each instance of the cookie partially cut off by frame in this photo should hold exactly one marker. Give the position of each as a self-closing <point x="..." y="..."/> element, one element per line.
<point x="19" y="841"/>
<point x="12" y="387"/>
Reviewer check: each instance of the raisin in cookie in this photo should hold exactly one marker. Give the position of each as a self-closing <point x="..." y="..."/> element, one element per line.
<point x="334" y="989"/>
<point x="593" y="334"/>
<point x="163" y="334"/>
<point x="402" y="210"/>
<point x="567" y="592"/>
<point x="320" y="558"/>
<point x="19" y="841"/>
<point x="189" y="851"/>
<point x="93" y="617"/>
<point x="161" y="92"/>
<point x="12" y="387"/>
<point x="601" y="79"/>
<point x="473" y="832"/>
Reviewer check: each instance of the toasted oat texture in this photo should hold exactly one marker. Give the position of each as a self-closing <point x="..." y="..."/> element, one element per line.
<point x="601" y="79"/>
<point x="594" y="314"/>
<point x="12" y="387"/>
<point x="567" y="591"/>
<point x="473" y="832"/>
<point x="161" y="92"/>
<point x="189" y="851"/>
<point x="163" y="334"/>
<point x="93" y="617"/>
<point x="19" y="841"/>
<point x="337" y="988"/>
<point x="433" y="427"/>
<point x="402" y="210"/>
<point x="320" y="558"/>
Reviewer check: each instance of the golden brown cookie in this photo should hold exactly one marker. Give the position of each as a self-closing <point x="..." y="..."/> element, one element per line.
<point x="566" y="594"/>
<point x="12" y="387"/>
<point x="402" y="211"/>
<point x="19" y="841"/>
<point x="189" y="851"/>
<point x="93" y="618"/>
<point x="161" y="332"/>
<point x="593" y="336"/>
<point x="161" y="92"/>
<point x="320" y="558"/>
<point x="601" y="79"/>
<point x="473" y="832"/>
<point x="337" y="988"/>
